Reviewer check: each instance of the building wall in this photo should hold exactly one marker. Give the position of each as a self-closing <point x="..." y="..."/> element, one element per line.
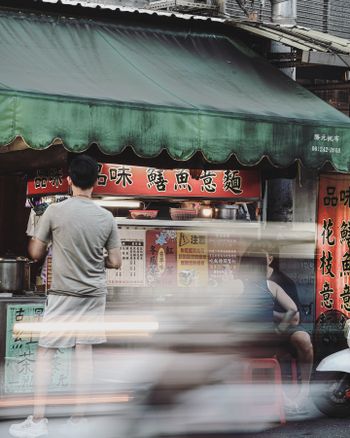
<point x="128" y="3"/>
<point x="339" y="99"/>
<point x="332" y="16"/>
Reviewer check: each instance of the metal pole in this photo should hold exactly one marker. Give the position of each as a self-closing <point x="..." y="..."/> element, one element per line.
<point x="280" y="191"/>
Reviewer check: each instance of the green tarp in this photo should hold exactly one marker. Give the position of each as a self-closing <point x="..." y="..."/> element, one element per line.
<point x="118" y="85"/>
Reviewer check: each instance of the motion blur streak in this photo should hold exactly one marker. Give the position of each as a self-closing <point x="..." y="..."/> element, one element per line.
<point x="66" y="400"/>
<point x="126" y="328"/>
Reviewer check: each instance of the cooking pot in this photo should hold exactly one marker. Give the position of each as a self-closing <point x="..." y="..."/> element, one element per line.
<point x="14" y="274"/>
<point x="228" y="212"/>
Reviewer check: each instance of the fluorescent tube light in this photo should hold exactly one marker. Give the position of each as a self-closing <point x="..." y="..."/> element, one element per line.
<point x="118" y="203"/>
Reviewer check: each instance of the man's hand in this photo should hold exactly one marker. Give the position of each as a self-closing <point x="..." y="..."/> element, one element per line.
<point x="291" y="316"/>
<point x="113" y="259"/>
<point x="37" y="249"/>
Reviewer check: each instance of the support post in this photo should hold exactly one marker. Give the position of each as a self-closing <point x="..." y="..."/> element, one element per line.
<point x="280" y="191"/>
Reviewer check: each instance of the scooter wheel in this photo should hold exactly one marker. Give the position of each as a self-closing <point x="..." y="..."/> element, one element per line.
<point x="329" y="393"/>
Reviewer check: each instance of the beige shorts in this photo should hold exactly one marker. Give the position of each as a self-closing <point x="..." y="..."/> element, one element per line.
<point x="68" y="321"/>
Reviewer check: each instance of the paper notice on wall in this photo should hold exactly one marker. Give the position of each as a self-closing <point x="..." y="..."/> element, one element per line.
<point x="132" y="272"/>
<point x="161" y="257"/>
<point x="222" y="259"/>
<point x="192" y="259"/>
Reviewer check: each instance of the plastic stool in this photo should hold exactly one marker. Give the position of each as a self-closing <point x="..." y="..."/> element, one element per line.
<point x="294" y="370"/>
<point x="276" y="406"/>
<point x="284" y="357"/>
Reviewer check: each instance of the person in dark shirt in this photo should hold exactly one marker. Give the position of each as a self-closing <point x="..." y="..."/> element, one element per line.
<point x="262" y="295"/>
<point x="297" y="334"/>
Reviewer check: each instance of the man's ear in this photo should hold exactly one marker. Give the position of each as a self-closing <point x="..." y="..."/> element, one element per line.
<point x="69" y="179"/>
<point x="269" y="259"/>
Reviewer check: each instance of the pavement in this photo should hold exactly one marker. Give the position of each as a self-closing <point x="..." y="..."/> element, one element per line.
<point x="96" y="427"/>
<point x="147" y="424"/>
<point x="315" y="428"/>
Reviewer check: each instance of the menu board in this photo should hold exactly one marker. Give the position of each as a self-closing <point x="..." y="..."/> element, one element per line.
<point x="333" y="245"/>
<point x="161" y="253"/>
<point x="132" y="271"/>
<point x="20" y="353"/>
<point x="169" y="257"/>
<point x="192" y="259"/>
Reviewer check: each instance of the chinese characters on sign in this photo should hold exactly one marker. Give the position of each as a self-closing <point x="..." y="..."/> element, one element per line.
<point x="164" y="257"/>
<point x="222" y="259"/>
<point x="156" y="178"/>
<point x="333" y="245"/>
<point x="161" y="257"/>
<point x="192" y="259"/>
<point x="123" y="180"/>
<point x="326" y="143"/>
<point x="148" y="181"/>
<point x="48" y="182"/>
<point x="20" y="352"/>
<point x="122" y="175"/>
<point x="182" y="180"/>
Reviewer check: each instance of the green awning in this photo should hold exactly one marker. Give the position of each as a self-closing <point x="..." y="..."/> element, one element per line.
<point x="119" y="85"/>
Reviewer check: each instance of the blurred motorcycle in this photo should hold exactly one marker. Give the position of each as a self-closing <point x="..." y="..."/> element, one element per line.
<point x="331" y="388"/>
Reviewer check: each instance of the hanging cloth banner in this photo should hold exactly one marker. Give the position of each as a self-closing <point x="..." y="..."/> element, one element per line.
<point x="333" y="246"/>
<point x="124" y="180"/>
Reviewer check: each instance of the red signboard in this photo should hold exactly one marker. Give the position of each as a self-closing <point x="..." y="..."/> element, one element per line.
<point x="123" y="180"/>
<point x="48" y="182"/>
<point x="333" y="245"/>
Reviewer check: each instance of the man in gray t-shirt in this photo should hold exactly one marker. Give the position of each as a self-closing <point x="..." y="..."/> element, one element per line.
<point x="80" y="232"/>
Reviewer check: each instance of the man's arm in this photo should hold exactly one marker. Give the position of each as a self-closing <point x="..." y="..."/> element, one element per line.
<point x="114" y="256"/>
<point x="113" y="259"/>
<point x="37" y="249"/>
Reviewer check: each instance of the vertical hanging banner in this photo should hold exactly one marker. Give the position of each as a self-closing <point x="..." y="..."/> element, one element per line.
<point x="192" y="259"/>
<point x="132" y="271"/>
<point x="333" y="246"/>
<point x="161" y="257"/>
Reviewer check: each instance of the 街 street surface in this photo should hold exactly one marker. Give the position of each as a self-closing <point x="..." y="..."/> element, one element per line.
<point x="316" y="428"/>
<point x="321" y="427"/>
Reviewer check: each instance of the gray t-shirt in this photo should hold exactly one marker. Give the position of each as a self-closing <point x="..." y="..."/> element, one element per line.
<point x="79" y="230"/>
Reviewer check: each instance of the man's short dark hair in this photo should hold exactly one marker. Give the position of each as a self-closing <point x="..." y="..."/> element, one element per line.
<point x="83" y="171"/>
